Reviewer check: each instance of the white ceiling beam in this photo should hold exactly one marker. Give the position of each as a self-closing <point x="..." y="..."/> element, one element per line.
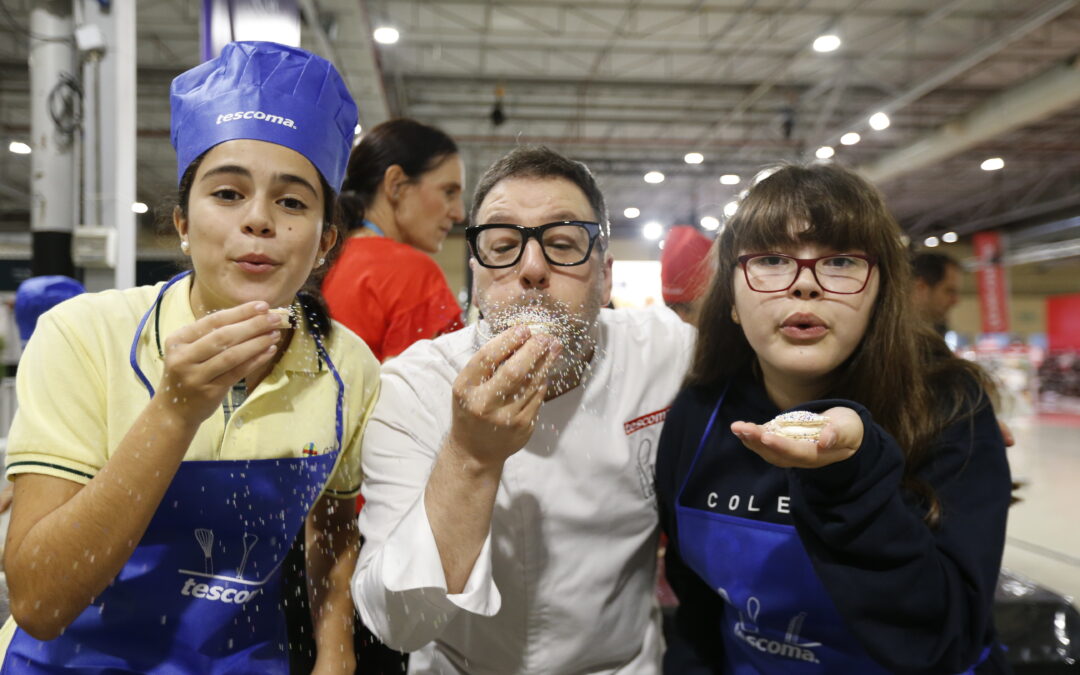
<point x="1039" y="17"/>
<point x="1053" y="91"/>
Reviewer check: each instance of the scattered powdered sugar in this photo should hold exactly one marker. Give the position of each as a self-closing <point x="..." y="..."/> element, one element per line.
<point x="541" y="314"/>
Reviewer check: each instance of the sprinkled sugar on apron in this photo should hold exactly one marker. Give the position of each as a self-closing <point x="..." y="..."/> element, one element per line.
<point x="201" y="591"/>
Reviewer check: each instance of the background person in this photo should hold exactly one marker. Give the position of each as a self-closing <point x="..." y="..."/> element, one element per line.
<point x="876" y="548"/>
<point x="37" y="295"/>
<point x="937" y="287"/>
<point x="935" y="291"/>
<point x="685" y="270"/>
<point x="171" y="440"/>
<point x="510" y="523"/>
<point x="401" y="196"/>
<point x="34" y="297"/>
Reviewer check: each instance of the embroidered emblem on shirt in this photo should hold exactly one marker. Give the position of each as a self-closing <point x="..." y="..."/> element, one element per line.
<point x="647" y="468"/>
<point x="645" y="421"/>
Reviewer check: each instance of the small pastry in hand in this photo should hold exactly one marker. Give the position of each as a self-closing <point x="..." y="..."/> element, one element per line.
<point x="284" y="315"/>
<point x="537" y="321"/>
<point x="799" y="424"/>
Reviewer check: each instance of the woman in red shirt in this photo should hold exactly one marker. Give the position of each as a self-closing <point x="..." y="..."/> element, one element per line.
<point x="401" y="196"/>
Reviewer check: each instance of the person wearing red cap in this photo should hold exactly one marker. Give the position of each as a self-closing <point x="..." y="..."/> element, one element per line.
<point x="685" y="271"/>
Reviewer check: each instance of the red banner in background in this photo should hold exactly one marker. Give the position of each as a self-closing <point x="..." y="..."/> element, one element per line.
<point x="1063" y="322"/>
<point x="993" y="285"/>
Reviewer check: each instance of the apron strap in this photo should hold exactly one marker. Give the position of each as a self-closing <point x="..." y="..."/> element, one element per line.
<point x="701" y="443"/>
<point x="133" y="356"/>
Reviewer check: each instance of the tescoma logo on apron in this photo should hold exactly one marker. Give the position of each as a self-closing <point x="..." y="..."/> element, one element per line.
<point x="206" y="590"/>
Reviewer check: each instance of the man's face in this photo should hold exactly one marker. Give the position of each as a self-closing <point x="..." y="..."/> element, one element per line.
<point x="935" y="301"/>
<point x="572" y="295"/>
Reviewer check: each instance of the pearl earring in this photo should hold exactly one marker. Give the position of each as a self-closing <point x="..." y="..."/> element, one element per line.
<point x="321" y="262"/>
<point x="185" y="247"/>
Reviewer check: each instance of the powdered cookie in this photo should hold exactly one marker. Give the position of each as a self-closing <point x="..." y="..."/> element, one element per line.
<point x="799" y="424"/>
<point x="284" y="315"/>
<point x="537" y="320"/>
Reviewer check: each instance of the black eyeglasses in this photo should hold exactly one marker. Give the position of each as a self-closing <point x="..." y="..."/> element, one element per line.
<point x="845" y="274"/>
<point x="565" y="243"/>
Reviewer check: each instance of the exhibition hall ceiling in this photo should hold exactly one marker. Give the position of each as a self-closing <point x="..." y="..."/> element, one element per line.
<point x="631" y="87"/>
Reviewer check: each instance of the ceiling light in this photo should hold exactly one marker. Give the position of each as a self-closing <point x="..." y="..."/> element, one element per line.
<point x="631" y="212"/>
<point x="654" y="177"/>
<point x="386" y="35"/>
<point x="827" y="43"/>
<point x="949" y="237"/>
<point x="652" y="230"/>
<point x="825" y="152"/>
<point x="694" y="158"/>
<point x="729" y="179"/>
<point x="879" y="121"/>
<point x="19" y="148"/>
<point x="931" y="242"/>
<point x="730" y="208"/>
<point x="850" y="138"/>
<point x="357" y="129"/>
<point x="139" y="207"/>
<point x="992" y="164"/>
<point x="661" y="243"/>
<point x="710" y="223"/>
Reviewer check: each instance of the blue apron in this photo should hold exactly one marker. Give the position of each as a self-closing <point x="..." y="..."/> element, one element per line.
<point x="778" y="616"/>
<point x="201" y="591"/>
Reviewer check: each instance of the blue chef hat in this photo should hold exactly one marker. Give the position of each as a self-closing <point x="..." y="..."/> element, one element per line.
<point x="37" y="295"/>
<point x="267" y="92"/>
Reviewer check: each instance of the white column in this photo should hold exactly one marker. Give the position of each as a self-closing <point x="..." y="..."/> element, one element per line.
<point x="52" y="175"/>
<point x="109" y="165"/>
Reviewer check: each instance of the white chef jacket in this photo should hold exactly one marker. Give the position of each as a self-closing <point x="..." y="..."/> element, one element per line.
<point x="564" y="581"/>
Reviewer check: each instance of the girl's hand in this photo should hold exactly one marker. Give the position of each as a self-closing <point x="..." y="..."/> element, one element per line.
<point x="203" y="360"/>
<point x="839" y="440"/>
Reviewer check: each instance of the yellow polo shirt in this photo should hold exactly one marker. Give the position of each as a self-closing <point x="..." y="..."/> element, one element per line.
<point x="78" y="394"/>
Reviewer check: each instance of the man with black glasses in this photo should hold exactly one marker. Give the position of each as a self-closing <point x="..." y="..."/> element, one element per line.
<point x="510" y="523"/>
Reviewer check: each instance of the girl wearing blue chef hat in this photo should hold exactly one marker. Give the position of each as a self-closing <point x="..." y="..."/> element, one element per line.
<point x="172" y="440"/>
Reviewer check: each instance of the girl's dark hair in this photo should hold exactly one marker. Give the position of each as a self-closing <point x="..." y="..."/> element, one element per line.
<point x="417" y="148"/>
<point x="901" y="370"/>
<point x="310" y="294"/>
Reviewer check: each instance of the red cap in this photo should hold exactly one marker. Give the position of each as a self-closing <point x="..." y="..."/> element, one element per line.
<point x="684" y="266"/>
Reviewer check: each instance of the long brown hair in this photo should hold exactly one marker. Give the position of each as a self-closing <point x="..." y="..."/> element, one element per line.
<point x="901" y="370"/>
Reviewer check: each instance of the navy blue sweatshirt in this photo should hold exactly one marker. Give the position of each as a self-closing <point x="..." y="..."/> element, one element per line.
<point x="917" y="599"/>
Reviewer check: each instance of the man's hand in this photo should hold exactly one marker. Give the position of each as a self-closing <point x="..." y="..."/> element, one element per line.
<point x="497" y="396"/>
<point x="839" y="440"/>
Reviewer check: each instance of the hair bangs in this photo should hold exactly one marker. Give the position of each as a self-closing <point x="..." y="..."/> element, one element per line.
<point x="818" y="205"/>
